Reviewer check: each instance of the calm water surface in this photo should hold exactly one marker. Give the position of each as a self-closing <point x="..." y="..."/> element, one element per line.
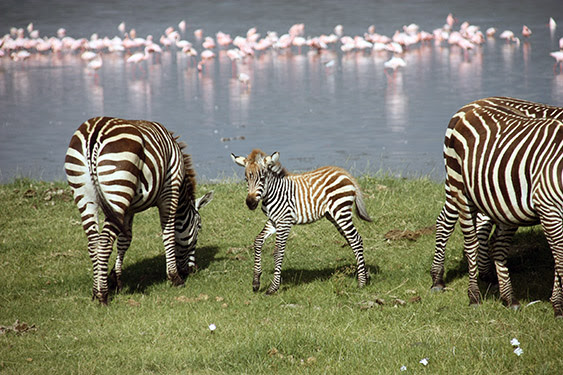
<point x="349" y="114"/>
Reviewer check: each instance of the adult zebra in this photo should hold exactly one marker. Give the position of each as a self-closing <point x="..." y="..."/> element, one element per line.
<point x="445" y="223"/>
<point x="124" y="167"/>
<point x="289" y="199"/>
<point x="509" y="167"/>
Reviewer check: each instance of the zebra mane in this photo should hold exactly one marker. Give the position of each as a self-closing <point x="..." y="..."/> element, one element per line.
<point x="189" y="172"/>
<point x="256" y="157"/>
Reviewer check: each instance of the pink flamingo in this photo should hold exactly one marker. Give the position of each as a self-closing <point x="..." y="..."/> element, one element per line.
<point x="182" y="26"/>
<point x="558" y="56"/>
<point x="526" y="32"/>
<point x="394" y="63"/>
<point x="208" y="43"/>
<point x="244" y="79"/>
<point x="138" y="57"/>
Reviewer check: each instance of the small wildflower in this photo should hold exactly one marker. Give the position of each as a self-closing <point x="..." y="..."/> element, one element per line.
<point x="423" y="361"/>
<point x="518" y="351"/>
<point x="515" y="342"/>
<point x="403" y="368"/>
<point x="212" y="327"/>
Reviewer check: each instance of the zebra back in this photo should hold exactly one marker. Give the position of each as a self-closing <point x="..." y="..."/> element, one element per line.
<point x="126" y="165"/>
<point x="499" y="159"/>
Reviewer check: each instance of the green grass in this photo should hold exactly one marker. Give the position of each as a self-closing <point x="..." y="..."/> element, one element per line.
<point x="319" y="321"/>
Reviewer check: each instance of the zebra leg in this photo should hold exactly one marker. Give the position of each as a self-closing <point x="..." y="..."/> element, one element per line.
<point x="105" y="247"/>
<point x="484" y="262"/>
<point x="470" y="247"/>
<point x="346" y="227"/>
<point x="445" y="224"/>
<point x="499" y="253"/>
<point x="268" y="230"/>
<point x="123" y="242"/>
<point x="282" y="232"/>
<point x="90" y="225"/>
<point x="552" y="224"/>
<point x="167" y="211"/>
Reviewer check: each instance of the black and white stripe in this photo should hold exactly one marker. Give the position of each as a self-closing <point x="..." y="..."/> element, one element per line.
<point x="507" y="165"/>
<point x="500" y="240"/>
<point x="289" y="199"/>
<point x="124" y="167"/>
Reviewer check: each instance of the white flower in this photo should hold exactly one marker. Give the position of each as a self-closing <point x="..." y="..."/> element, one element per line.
<point x="403" y="368"/>
<point x="212" y="327"/>
<point x="518" y="351"/>
<point x="424" y="361"/>
<point x="514" y="342"/>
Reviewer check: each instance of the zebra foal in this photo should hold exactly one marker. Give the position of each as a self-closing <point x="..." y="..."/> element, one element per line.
<point x="289" y="199"/>
<point x="501" y="237"/>
<point x="508" y="166"/>
<point x="124" y="167"/>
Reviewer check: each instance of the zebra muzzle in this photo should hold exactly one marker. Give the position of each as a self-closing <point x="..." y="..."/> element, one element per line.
<point x="252" y="202"/>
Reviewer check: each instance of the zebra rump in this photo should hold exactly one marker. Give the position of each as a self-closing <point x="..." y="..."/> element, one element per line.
<point x="123" y="167"/>
<point x="500" y="239"/>
<point x="507" y="165"/>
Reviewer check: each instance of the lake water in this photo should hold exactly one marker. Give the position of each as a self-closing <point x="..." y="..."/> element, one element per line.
<point x="349" y="113"/>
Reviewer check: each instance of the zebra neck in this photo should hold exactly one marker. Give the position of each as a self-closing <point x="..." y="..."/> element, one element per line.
<point x="277" y="188"/>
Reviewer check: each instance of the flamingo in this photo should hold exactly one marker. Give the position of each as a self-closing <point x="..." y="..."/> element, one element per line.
<point x="299" y="42"/>
<point x="20" y="55"/>
<point x="394" y="63"/>
<point x="245" y="79"/>
<point x="207" y="54"/>
<point x="88" y="55"/>
<point x="137" y="57"/>
<point x="558" y="56"/>
<point x="208" y="43"/>
<point x="526" y="32"/>
<point x="182" y="26"/>
<point x="552" y="24"/>
<point x="491" y="31"/>
<point x="95" y="64"/>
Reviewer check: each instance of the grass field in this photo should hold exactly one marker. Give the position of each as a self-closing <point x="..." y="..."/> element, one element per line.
<point x="319" y="322"/>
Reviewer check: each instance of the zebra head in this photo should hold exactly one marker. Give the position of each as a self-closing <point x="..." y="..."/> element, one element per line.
<point x="193" y="225"/>
<point x="188" y="224"/>
<point x="257" y="168"/>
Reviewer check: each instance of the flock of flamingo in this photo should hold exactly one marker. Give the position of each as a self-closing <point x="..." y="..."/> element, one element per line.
<point x="20" y="44"/>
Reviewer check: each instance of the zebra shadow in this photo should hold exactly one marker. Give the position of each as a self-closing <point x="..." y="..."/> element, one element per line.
<point x="530" y="264"/>
<point x="299" y="276"/>
<point x="138" y="277"/>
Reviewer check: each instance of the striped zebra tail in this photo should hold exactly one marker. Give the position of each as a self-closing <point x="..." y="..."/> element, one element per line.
<point x="102" y="200"/>
<point x="361" y="206"/>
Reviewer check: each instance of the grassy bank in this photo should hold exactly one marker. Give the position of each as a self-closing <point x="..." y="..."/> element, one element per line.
<point x="319" y="321"/>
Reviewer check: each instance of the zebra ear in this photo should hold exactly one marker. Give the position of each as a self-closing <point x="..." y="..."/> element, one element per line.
<point x="240" y="160"/>
<point x="272" y="159"/>
<point x="204" y="201"/>
<point x="275" y="157"/>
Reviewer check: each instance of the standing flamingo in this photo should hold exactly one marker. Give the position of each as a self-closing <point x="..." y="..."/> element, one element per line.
<point x="138" y="57"/>
<point x="558" y="56"/>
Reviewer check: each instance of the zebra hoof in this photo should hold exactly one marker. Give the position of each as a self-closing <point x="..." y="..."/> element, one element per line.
<point x="103" y="298"/>
<point x="271" y="291"/>
<point x="514" y="307"/>
<point x="437" y="289"/>
<point x="255" y="288"/>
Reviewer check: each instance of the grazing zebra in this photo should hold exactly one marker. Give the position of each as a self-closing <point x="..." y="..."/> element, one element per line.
<point x="124" y="167"/>
<point x="289" y="199"/>
<point x="500" y="240"/>
<point x="508" y="166"/>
